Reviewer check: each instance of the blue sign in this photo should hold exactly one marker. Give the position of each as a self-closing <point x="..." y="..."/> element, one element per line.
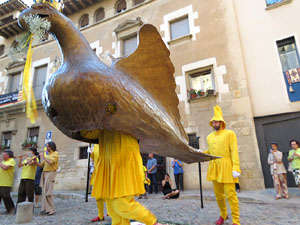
<point x="49" y="135"/>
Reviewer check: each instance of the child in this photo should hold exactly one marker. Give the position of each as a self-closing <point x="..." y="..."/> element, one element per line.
<point x="146" y="182"/>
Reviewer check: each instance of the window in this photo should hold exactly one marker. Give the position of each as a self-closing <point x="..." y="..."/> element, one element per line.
<point x="136" y="2"/>
<point x="39" y="79"/>
<point x="193" y="141"/>
<point x="84" y="21"/>
<point x="14" y="82"/>
<point x="179" y="28"/>
<point x="288" y="54"/>
<point x="6" y="139"/>
<point x="83" y="154"/>
<point x="2" y="47"/>
<point x="290" y="63"/>
<point x="202" y="80"/>
<point x="99" y="14"/>
<point x="121" y="6"/>
<point x="33" y="134"/>
<point x="129" y="45"/>
<point x="271" y="2"/>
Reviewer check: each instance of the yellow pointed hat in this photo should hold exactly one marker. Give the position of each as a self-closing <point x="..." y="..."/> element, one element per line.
<point x="218" y="117"/>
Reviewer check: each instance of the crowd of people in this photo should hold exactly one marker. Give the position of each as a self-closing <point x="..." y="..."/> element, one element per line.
<point x="39" y="172"/>
<point x="278" y="170"/>
<point x="37" y="178"/>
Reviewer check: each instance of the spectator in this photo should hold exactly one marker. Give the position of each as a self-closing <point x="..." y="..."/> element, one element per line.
<point x="146" y="182"/>
<point x="7" y="167"/>
<point x="168" y="192"/>
<point x="152" y="171"/>
<point x="26" y="187"/>
<point x="278" y="172"/>
<point x="50" y="165"/>
<point x="178" y="174"/>
<point x="294" y="158"/>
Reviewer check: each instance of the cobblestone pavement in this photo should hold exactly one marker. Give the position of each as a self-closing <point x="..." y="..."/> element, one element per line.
<point x="256" y="207"/>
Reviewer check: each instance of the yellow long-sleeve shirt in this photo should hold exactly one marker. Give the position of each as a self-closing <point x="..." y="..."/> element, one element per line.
<point x="223" y="143"/>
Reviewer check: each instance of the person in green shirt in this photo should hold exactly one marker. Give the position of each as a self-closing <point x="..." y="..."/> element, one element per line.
<point x="7" y="168"/>
<point x="294" y="158"/>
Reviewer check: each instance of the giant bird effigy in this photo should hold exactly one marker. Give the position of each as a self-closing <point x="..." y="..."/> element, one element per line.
<point x="135" y="95"/>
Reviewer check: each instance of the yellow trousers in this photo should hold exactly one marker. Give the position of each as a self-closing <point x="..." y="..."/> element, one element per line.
<point x="122" y="210"/>
<point x="227" y="190"/>
<point x="100" y="206"/>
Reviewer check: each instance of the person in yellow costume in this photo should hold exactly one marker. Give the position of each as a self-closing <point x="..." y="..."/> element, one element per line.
<point x="7" y="168"/>
<point x="119" y="177"/>
<point x="224" y="171"/>
<point x="100" y="202"/>
<point x="26" y="187"/>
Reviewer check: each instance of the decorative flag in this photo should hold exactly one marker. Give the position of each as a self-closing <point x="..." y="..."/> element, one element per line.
<point x="28" y="94"/>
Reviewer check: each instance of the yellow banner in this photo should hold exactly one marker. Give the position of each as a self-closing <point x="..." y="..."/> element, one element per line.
<point x="28" y="94"/>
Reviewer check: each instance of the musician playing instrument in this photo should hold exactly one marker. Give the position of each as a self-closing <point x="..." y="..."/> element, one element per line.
<point x="7" y="168"/>
<point x="29" y="166"/>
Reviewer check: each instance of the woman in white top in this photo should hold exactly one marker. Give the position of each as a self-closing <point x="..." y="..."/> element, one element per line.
<point x="278" y="172"/>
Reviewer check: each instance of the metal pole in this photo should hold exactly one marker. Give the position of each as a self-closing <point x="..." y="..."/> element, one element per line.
<point x="88" y="176"/>
<point x="200" y="182"/>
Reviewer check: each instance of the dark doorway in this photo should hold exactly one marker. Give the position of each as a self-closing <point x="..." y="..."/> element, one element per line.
<point x="281" y="129"/>
<point x="161" y="168"/>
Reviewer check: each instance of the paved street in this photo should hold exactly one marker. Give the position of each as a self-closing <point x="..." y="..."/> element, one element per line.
<point x="256" y="207"/>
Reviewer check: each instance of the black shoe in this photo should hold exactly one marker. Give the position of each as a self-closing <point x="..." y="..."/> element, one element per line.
<point x="43" y="212"/>
<point x="149" y="193"/>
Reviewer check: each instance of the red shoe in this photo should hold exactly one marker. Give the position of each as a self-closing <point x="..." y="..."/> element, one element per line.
<point x="97" y="219"/>
<point x="220" y="221"/>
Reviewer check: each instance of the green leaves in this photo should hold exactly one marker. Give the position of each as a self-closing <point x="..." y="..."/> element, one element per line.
<point x="38" y="27"/>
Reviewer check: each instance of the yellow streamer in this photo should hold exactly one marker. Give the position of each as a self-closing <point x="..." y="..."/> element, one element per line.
<point x="27" y="91"/>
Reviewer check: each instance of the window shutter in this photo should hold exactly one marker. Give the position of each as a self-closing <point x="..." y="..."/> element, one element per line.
<point x="179" y="28"/>
<point x="84" y="21"/>
<point x="33" y="132"/>
<point x="100" y="14"/>
<point x="14" y="82"/>
<point x="129" y="45"/>
<point x="7" y="135"/>
<point x="40" y="74"/>
<point x="2" y="47"/>
<point x="121" y="6"/>
<point x="136" y="2"/>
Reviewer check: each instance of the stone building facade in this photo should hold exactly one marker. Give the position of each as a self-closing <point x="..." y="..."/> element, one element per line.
<point x="204" y="39"/>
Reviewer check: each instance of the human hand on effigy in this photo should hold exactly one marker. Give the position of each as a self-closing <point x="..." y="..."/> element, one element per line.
<point x="199" y="150"/>
<point x="235" y="174"/>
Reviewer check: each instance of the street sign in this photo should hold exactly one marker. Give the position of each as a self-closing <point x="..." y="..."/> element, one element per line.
<point x="47" y="139"/>
<point x="49" y="135"/>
